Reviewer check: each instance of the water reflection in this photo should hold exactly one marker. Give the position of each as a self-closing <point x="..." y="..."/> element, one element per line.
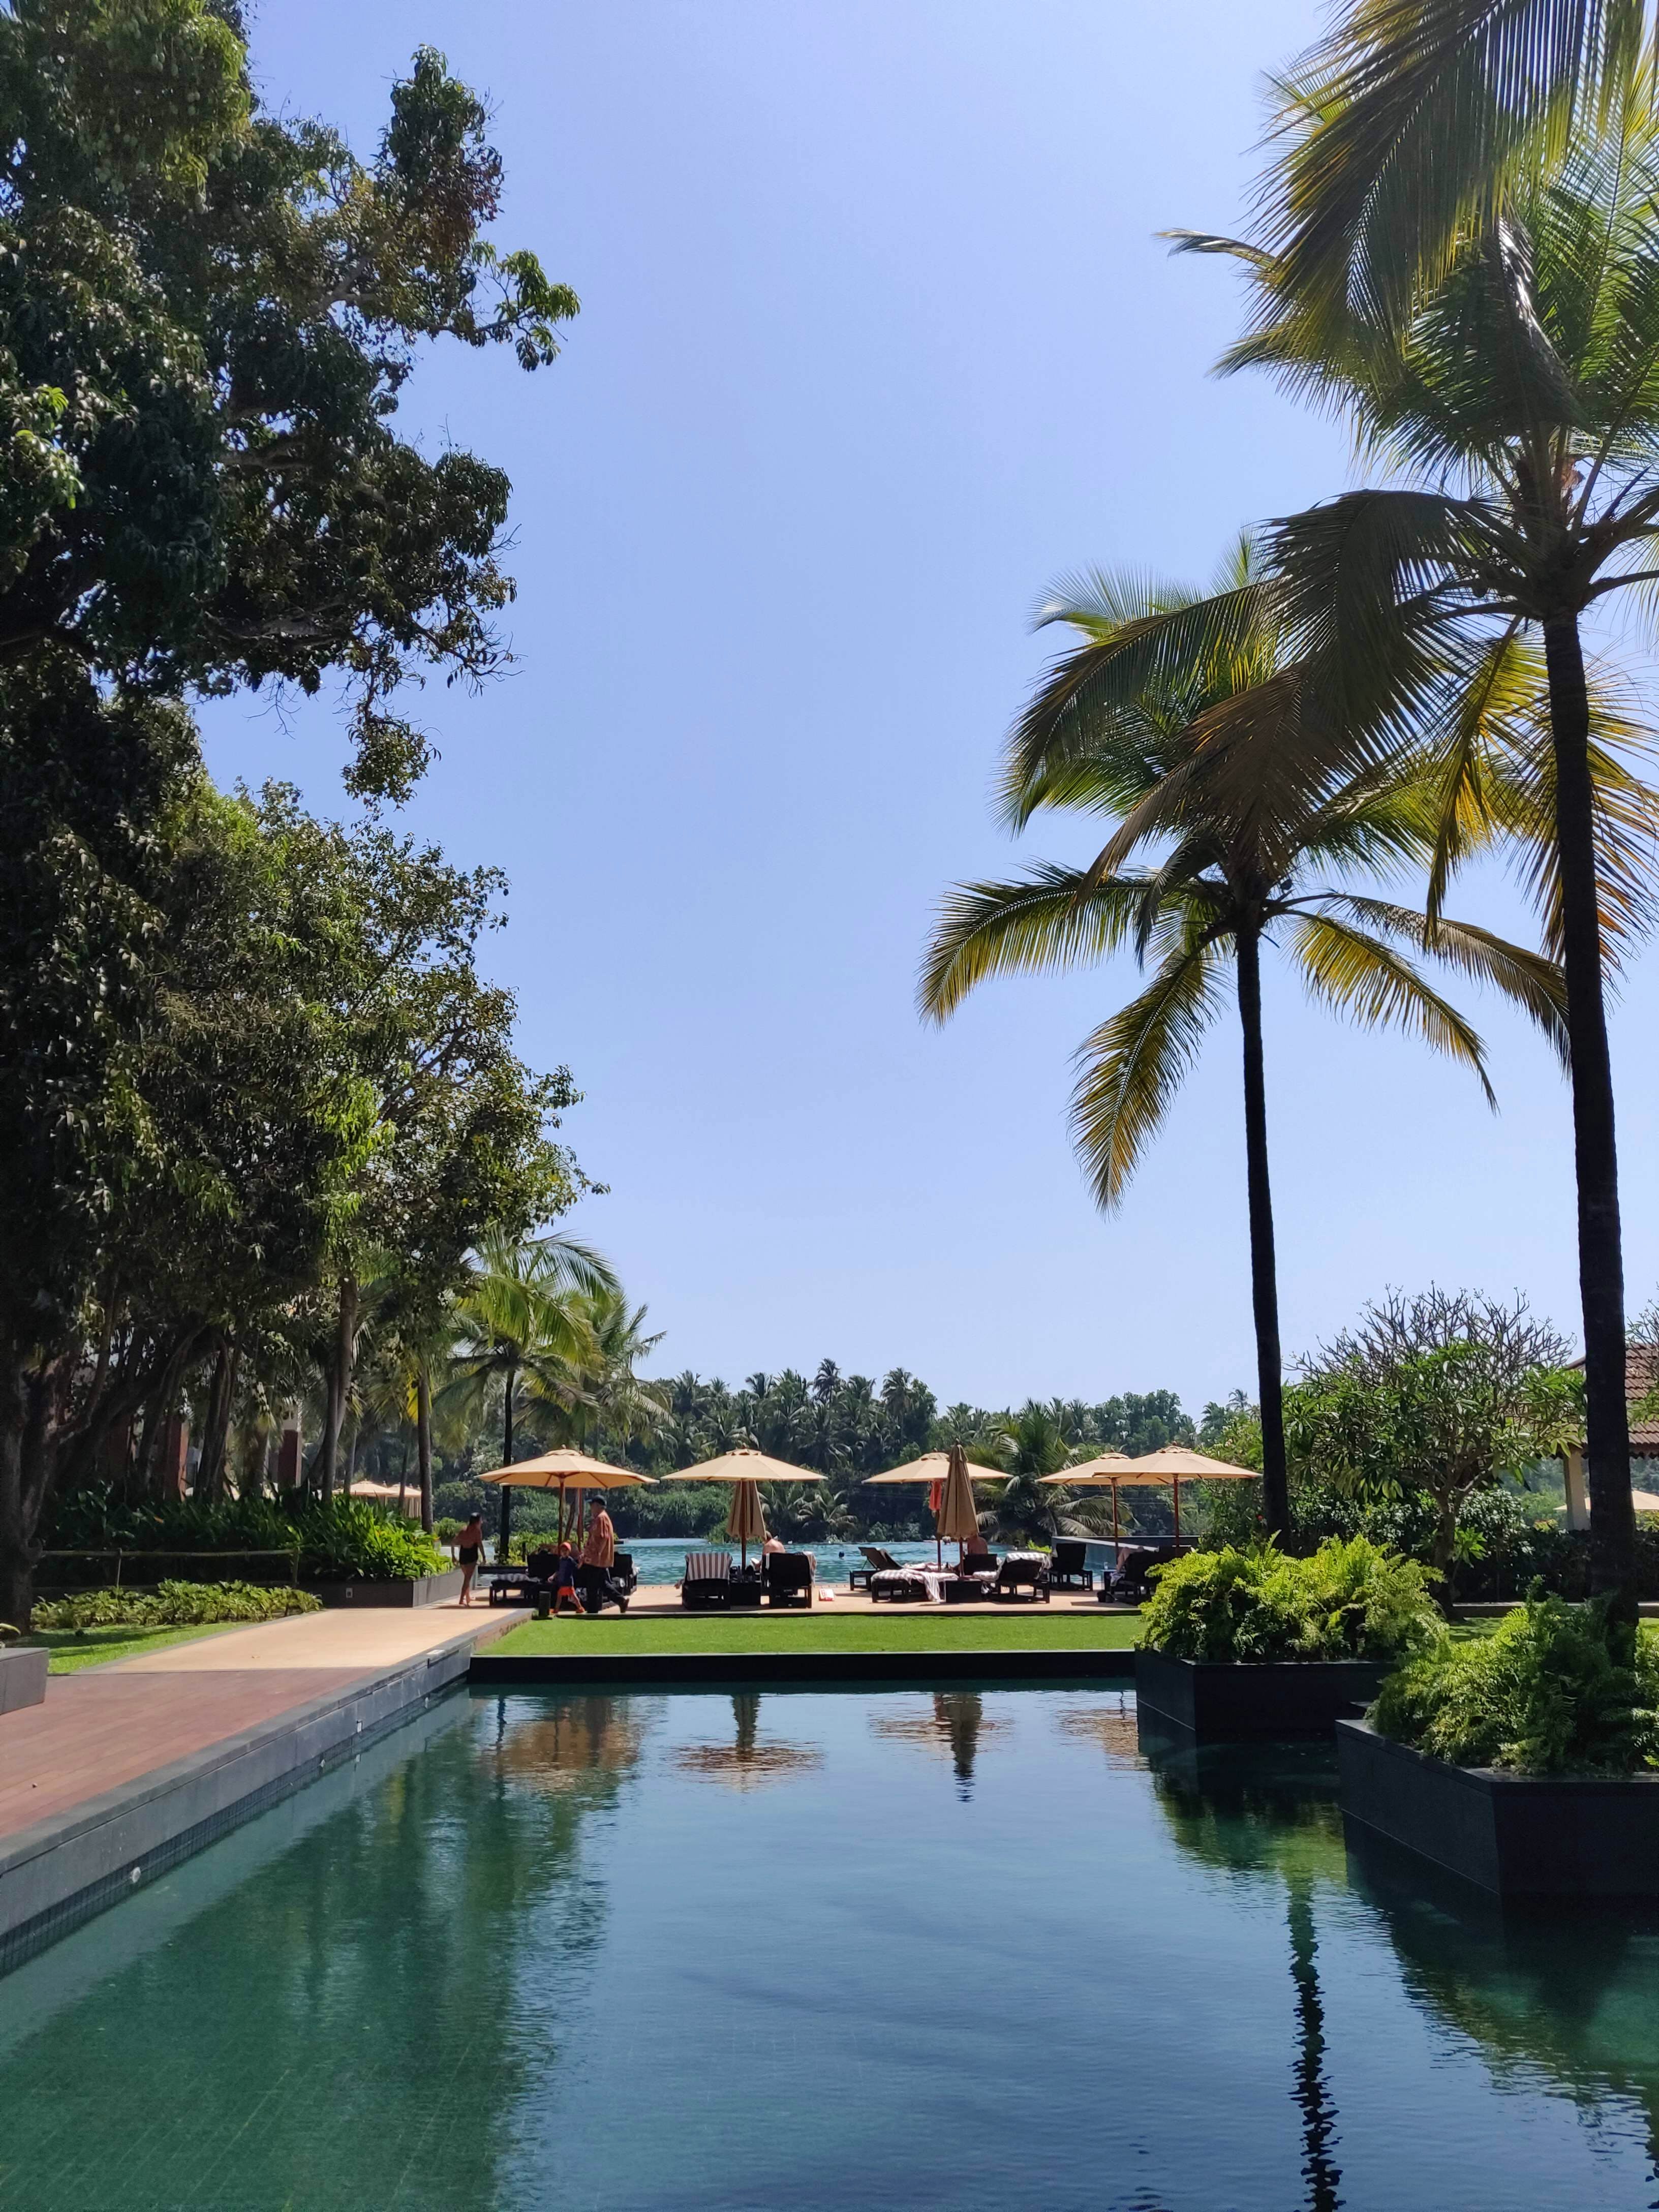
<point x="580" y="1744"/>
<point x="750" y="1760"/>
<point x="1111" y="1725"/>
<point x="951" y="1723"/>
<point x="1571" y="1995"/>
<point x="1269" y="1809"/>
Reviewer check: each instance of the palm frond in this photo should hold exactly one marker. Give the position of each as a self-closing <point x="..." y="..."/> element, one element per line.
<point x="1131" y="1066"/>
<point x="1531" y="980"/>
<point x="1056" y="917"/>
<point x="1359" y="975"/>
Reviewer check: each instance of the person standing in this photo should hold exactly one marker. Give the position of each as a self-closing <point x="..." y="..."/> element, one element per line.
<point x="469" y="1544"/>
<point x="599" y="1557"/>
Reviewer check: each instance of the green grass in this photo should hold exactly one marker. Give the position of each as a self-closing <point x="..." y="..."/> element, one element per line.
<point x="96" y="1647"/>
<point x="1036" y="1630"/>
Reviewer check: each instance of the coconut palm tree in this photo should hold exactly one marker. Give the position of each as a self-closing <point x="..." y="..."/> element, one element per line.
<point x="1415" y="124"/>
<point x="523" y="1323"/>
<point x="1517" y="407"/>
<point x="1127" y="724"/>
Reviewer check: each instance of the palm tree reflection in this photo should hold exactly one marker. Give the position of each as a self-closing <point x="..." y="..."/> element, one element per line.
<point x="951" y="1723"/>
<point x="1111" y="1725"/>
<point x="750" y="1761"/>
<point x="1269" y="1809"/>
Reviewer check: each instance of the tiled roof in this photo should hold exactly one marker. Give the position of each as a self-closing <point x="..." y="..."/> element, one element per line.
<point x="1641" y="1373"/>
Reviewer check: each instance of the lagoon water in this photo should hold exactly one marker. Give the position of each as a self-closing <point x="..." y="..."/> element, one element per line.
<point x="973" y="1948"/>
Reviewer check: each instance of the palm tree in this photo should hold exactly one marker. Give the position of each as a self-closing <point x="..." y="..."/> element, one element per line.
<point x="1127" y="724"/>
<point x="1028" y="1445"/>
<point x="523" y="1319"/>
<point x="1417" y="123"/>
<point x="627" y="1406"/>
<point x="1520" y="400"/>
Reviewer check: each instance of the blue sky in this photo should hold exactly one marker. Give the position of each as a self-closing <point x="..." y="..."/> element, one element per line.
<point x="877" y="339"/>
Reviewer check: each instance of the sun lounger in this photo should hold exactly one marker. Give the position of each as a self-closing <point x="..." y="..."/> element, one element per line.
<point x="788" y="1577"/>
<point x="707" y="1579"/>
<point x="1017" y="1578"/>
<point x="878" y="1562"/>
<point x="1129" y="1585"/>
<point x="1066" y="1570"/>
<point x="905" y="1586"/>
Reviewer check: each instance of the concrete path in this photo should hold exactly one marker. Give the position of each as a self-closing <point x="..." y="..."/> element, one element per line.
<point x="375" y="1638"/>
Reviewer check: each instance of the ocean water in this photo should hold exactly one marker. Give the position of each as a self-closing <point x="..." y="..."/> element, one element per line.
<point x="972" y="1948"/>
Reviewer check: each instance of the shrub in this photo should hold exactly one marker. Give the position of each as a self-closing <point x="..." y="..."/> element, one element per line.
<point x="355" y="1541"/>
<point x="1348" y="1600"/>
<point x="445" y="1531"/>
<point x="350" y="1540"/>
<point x="1552" y="1689"/>
<point x="174" y="1605"/>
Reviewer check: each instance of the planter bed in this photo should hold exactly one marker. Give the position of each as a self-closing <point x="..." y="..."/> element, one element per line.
<point x="425" y="1589"/>
<point x="1511" y="1835"/>
<point x="1221" y="1702"/>
<point x="22" y="1679"/>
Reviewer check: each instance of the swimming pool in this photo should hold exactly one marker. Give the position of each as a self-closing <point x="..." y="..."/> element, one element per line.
<point x="969" y="1948"/>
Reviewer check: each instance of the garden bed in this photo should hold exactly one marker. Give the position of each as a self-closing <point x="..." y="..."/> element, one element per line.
<point x="419" y="1589"/>
<point x="1229" y="1701"/>
<point x="1515" y="1836"/>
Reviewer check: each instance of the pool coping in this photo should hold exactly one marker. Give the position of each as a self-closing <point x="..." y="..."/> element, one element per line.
<point x="58" y="1874"/>
<point x="1009" y="1664"/>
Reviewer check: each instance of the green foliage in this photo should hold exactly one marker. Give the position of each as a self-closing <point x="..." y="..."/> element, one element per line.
<point x="1556" y="1689"/>
<point x="348" y="1539"/>
<point x="1348" y="1600"/>
<point x="172" y="1605"/>
<point x="351" y="1540"/>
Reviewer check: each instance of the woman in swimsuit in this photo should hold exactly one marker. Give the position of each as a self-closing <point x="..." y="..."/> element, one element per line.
<point x="467" y="1550"/>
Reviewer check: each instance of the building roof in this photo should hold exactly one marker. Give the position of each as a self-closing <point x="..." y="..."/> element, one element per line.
<point x="1641" y="1374"/>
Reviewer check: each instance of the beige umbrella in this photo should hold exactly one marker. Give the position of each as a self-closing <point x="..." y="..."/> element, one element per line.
<point x="566" y="1470"/>
<point x="745" y="1519"/>
<point x="746" y="1468"/>
<point x="931" y="1468"/>
<point x="1105" y="1472"/>
<point x="959" y="1516"/>
<point x="1178" y="1463"/>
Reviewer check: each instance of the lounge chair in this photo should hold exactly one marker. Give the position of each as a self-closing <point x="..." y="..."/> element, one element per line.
<point x="707" y="1579"/>
<point x="1021" y="1579"/>
<point x="877" y="1563"/>
<point x="788" y="1577"/>
<point x="897" y="1585"/>
<point x="1066" y="1570"/>
<point x="1129" y="1585"/>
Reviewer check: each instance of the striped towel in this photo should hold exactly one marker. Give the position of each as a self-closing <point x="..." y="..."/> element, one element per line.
<point x="708" y="1566"/>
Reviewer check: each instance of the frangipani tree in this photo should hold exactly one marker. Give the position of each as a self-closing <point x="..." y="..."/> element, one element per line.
<point x="1175" y="715"/>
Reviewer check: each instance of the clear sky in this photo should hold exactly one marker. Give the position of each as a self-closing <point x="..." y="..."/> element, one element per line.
<point x="877" y="339"/>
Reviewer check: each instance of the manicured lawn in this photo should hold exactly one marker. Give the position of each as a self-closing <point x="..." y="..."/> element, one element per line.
<point x="1036" y="1630"/>
<point x="95" y="1647"/>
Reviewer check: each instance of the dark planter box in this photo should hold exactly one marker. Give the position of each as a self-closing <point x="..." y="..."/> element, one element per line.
<point x="426" y="1590"/>
<point x="1221" y="1704"/>
<point x="1557" y="1835"/>
<point x="22" y="1679"/>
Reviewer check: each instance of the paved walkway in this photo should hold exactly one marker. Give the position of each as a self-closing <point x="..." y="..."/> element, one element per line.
<point x="107" y="1727"/>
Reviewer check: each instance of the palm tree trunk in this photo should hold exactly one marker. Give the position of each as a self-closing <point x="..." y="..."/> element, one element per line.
<point x="1596" y="1153"/>
<point x="1264" y="1271"/>
<point x="423" y="1441"/>
<point x="507" y="1461"/>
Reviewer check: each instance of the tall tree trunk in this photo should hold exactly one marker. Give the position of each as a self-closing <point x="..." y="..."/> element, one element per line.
<point x="1264" y="1271"/>
<point x="1596" y="1152"/>
<point x="215" y="1435"/>
<point x="34" y="1401"/>
<point x="507" y="1461"/>
<point x="423" y="1441"/>
<point x="1319" y="2169"/>
<point x="339" y="1383"/>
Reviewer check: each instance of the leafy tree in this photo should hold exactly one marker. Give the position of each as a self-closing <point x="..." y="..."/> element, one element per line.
<point x="1126" y="725"/>
<point x="1440" y="1395"/>
<point x="1490" y="323"/>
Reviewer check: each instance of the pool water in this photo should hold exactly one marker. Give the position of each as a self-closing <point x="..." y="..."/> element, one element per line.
<point x="965" y="1949"/>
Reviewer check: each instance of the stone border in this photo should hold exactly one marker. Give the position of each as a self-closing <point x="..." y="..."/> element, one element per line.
<point x="58" y="1873"/>
<point x="1511" y="1835"/>
<point x="624" y="1670"/>
<point x="1225" y="1703"/>
<point x="419" y="1590"/>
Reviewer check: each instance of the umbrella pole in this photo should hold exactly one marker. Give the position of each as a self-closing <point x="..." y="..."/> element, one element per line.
<point x="1177" y="1508"/>
<point x="1114" y="1523"/>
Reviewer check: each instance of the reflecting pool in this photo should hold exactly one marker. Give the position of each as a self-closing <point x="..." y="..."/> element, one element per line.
<point x="970" y="1948"/>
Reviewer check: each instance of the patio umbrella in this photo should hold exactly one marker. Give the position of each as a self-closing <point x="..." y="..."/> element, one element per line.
<point x="744" y="1466"/>
<point x="745" y="1521"/>
<point x="1106" y="1471"/>
<point x="959" y="1516"/>
<point x="931" y="1468"/>
<point x="566" y="1470"/>
<point x="1176" y="1463"/>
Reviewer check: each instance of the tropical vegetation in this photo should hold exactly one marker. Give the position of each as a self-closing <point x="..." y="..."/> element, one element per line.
<point x="1549" y="1692"/>
<point x="1345" y="1601"/>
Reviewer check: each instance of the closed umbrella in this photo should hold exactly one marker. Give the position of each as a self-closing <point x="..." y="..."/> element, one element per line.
<point x="931" y="1468"/>
<point x="745" y="1521"/>
<point x="745" y="1466"/>
<point x="959" y="1516"/>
